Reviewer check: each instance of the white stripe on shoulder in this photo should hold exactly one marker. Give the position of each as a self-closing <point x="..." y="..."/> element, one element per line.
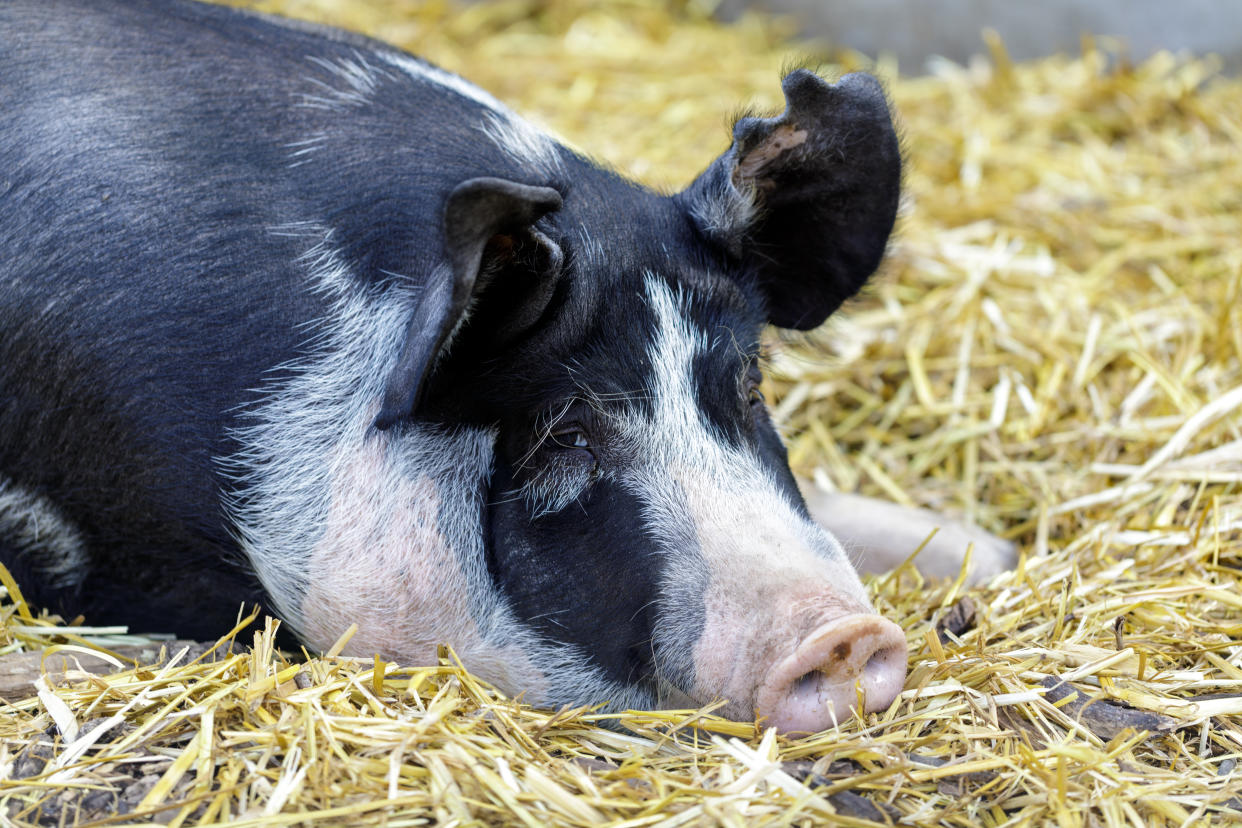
<point x="514" y="135"/>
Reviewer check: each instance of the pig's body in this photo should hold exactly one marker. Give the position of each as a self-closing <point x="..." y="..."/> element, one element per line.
<point x="289" y="316"/>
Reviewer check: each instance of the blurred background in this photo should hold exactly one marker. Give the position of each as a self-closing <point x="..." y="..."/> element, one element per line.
<point x="914" y="30"/>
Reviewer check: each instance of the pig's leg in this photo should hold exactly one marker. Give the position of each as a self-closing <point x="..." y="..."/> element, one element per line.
<point x="879" y="535"/>
<point x="42" y="549"/>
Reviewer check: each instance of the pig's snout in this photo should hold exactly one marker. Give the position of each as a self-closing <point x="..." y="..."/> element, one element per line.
<point x="819" y="684"/>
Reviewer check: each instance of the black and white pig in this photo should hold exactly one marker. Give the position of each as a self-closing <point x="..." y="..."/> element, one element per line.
<point x="290" y="316"/>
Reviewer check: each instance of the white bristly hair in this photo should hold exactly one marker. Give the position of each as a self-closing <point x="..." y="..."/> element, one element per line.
<point x="355" y="79"/>
<point x="518" y="138"/>
<point x="348" y="83"/>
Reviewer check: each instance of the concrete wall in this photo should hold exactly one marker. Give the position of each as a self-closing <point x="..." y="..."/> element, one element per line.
<point x="916" y="29"/>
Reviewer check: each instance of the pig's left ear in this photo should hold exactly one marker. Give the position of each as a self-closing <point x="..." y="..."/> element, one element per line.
<point x="487" y="222"/>
<point x="805" y="200"/>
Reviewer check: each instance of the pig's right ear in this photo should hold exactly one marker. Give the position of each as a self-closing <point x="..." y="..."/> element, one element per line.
<point x="478" y="212"/>
<point x="805" y="201"/>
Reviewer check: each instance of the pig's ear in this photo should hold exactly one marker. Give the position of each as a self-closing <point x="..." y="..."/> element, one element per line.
<point x="805" y="200"/>
<point x="488" y="223"/>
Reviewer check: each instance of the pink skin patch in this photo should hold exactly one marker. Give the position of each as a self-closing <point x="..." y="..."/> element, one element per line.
<point x="384" y="563"/>
<point x="783" y="138"/>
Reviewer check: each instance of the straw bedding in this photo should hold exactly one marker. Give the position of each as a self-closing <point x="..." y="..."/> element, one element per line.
<point x="1053" y="351"/>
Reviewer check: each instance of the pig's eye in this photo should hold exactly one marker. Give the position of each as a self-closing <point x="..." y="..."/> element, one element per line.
<point x="571" y="438"/>
<point x="754" y="396"/>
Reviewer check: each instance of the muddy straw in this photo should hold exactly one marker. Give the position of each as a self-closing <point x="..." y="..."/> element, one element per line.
<point x="1053" y="351"/>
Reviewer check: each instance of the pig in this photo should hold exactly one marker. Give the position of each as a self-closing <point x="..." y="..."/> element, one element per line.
<point x="292" y="317"/>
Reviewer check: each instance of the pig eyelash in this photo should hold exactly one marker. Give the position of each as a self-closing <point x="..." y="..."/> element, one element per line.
<point x="746" y="353"/>
<point x="562" y="438"/>
<point x="755" y="355"/>
<point x="550" y="490"/>
<point x="751" y="380"/>
<point x="544" y="434"/>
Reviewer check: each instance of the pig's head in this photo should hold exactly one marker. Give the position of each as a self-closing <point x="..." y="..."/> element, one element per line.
<point x="643" y="540"/>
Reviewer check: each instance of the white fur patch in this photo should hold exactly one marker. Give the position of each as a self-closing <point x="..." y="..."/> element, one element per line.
<point x="344" y="524"/>
<point x="301" y="152"/>
<point x="723" y="211"/>
<point x="343" y="84"/>
<point x="39" y="532"/>
<point x="522" y="142"/>
<point x="590" y="251"/>
<point x="429" y="73"/>
<point x="348" y="82"/>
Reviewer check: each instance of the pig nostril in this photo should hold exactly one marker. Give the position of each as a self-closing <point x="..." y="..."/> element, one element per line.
<point x="807" y="683"/>
<point x="883" y="675"/>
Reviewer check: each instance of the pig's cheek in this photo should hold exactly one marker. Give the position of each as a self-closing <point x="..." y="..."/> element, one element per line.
<point x="378" y="565"/>
<point x="383" y="564"/>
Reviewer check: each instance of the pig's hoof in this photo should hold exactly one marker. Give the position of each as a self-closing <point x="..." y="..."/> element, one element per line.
<point x="944" y="553"/>
<point x="879" y="535"/>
